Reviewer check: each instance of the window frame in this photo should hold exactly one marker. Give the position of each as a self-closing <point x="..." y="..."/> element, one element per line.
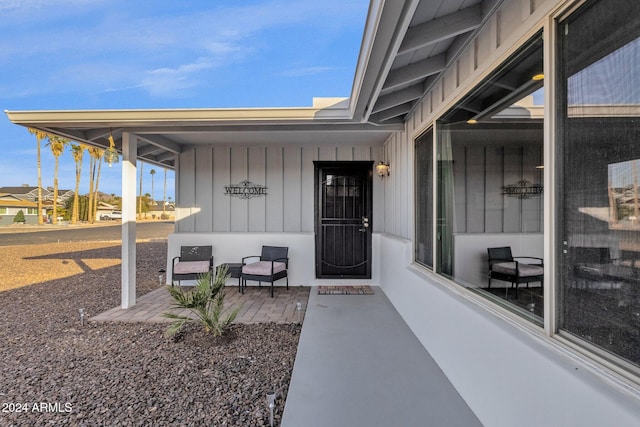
<point x="618" y="371"/>
<point x="621" y="369"/>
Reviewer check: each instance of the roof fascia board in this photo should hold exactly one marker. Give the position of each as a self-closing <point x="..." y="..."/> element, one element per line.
<point x="374" y="16"/>
<point x="143" y="117"/>
<point x="386" y="26"/>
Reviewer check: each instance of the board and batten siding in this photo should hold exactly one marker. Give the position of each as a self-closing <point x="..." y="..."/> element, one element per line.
<point x="514" y="22"/>
<point x="288" y="173"/>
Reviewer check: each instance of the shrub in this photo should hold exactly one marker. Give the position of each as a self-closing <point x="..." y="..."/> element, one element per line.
<point x="206" y="301"/>
<point x="19" y="217"/>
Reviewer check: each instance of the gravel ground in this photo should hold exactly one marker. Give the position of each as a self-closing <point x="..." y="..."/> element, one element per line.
<point x="54" y="371"/>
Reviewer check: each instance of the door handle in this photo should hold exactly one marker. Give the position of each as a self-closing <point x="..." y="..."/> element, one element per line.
<point x="365" y="224"/>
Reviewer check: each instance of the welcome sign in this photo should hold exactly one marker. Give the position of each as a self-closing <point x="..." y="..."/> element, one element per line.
<point x="245" y="190"/>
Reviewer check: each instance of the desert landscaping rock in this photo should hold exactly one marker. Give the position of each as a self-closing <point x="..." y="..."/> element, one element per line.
<point x="54" y="371"/>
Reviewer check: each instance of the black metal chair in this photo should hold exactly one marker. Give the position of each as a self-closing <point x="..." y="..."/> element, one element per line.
<point x="272" y="265"/>
<point x="504" y="266"/>
<point x="192" y="263"/>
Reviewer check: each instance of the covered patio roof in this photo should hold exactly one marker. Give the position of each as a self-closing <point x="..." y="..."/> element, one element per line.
<point x="161" y="134"/>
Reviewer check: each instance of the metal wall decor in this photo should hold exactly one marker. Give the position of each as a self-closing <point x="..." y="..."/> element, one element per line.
<point x="523" y="189"/>
<point x="245" y="190"/>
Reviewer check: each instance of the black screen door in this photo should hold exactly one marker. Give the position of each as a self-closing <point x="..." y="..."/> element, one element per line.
<point x="343" y="219"/>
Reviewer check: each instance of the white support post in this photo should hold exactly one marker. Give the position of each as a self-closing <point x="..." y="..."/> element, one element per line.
<point x="129" y="158"/>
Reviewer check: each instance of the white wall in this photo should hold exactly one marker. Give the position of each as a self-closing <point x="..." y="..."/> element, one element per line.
<point x="231" y="247"/>
<point x="508" y="375"/>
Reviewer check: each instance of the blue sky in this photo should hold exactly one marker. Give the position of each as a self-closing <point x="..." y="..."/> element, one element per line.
<point x="111" y="54"/>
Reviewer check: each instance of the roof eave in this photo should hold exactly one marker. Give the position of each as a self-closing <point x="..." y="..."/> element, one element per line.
<point x="387" y="23"/>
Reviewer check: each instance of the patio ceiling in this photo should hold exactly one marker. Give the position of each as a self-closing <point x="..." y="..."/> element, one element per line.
<point x="406" y="45"/>
<point x="422" y="39"/>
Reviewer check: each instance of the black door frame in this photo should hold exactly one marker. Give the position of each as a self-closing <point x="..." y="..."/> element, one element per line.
<point x="364" y="166"/>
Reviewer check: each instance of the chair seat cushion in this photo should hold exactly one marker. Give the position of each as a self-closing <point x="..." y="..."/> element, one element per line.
<point x="191" y="267"/>
<point x="526" y="270"/>
<point x="263" y="268"/>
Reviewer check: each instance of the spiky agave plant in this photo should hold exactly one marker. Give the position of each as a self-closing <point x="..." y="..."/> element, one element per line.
<point x="206" y="301"/>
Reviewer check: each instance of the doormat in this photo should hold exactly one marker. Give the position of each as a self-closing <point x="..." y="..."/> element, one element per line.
<point x="345" y="290"/>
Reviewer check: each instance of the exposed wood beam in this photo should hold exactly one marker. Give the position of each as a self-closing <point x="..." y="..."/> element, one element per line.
<point x="396" y="98"/>
<point x="148" y="149"/>
<point x="92" y="134"/>
<point x="75" y="135"/>
<point x="165" y="156"/>
<point x="396" y="111"/>
<point x="442" y="28"/>
<point x="393" y="121"/>
<point x="416" y="71"/>
<point x="162" y="142"/>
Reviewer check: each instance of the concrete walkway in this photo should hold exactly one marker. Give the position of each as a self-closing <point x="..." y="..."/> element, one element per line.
<point x="358" y="364"/>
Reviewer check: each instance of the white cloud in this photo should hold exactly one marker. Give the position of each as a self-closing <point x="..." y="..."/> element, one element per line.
<point x="170" y="81"/>
<point x="306" y="71"/>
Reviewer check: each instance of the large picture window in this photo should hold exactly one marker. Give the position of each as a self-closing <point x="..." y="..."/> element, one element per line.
<point x="424" y="199"/>
<point x="599" y="166"/>
<point x="489" y="188"/>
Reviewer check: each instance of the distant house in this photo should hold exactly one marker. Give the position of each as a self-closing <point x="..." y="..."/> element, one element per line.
<point x="63" y="196"/>
<point x="30" y="194"/>
<point x="10" y="205"/>
<point x="26" y="192"/>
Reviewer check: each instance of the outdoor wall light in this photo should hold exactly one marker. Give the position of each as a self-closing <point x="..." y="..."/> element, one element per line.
<point x="382" y="169"/>
<point x="111" y="154"/>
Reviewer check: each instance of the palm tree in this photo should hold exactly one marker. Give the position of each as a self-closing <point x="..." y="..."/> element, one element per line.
<point x="78" y="151"/>
<point x="39" y="137"/>
<point x="152" y="172"/>
<point x="57" y="145"/>
<point x="97" y="182"/>
<point x="95" y="154"/>
<point x="164" y="195"/>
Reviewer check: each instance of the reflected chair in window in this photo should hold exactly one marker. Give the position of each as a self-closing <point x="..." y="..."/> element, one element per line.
<point x="589" y="263"/>
<point x="192" y="263"/>
<point x="271" y="265"/>
<point x="504" y="266"/>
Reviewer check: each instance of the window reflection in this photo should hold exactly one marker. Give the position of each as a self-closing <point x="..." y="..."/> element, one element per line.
<point x="489" y="169"/>
<point x="599" y="233"/>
